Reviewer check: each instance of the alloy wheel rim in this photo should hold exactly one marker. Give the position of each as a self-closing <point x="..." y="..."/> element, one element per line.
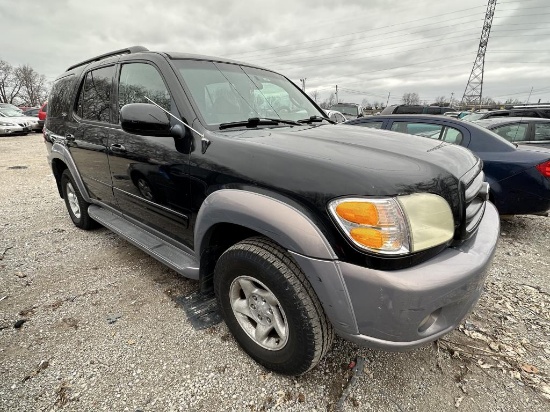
<point x="73" y="200"/>
<point x="259" y="313"/>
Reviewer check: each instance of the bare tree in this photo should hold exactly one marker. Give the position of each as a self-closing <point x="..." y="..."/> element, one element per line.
<point x="486" y="101"/>
<point x="314" y="95"/>
<point x="441" y="100"/>
<point x="33" y="86"/>
<point x="365" y="103"/>
<point x="410" y="98"/>
<point x="10" y="85"/>
<point x="329" y="102"/>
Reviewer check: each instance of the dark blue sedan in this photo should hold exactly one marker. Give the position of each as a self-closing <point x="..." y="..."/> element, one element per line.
<point x="519" y="176"/>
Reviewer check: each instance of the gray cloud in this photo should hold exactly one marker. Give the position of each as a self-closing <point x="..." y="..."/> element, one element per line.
<point x="367" y="48"/>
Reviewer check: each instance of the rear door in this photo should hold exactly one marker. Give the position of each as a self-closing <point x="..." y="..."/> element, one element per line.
<point x="88" y="132"/>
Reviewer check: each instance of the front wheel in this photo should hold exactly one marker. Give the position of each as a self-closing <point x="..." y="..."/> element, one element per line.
<point x="270" y="307"/>
<point x="76" y="205"/>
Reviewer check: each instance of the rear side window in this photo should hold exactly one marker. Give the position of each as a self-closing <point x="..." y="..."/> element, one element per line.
<point x="94" y="100"/>
<point x="432" y="131"/>
<point x="512" y="132"/>
<point x="422" y="129"/>
<point x="372" y="125"/>
<point x="60" y="97"/>
<point x="542" y="131"/>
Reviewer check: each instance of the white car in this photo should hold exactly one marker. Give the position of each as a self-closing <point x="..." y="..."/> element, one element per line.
<point x="27" y="122"/>
<point x="9" y="126"/>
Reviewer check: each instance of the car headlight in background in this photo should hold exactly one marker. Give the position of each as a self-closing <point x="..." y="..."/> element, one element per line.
<point x="395" y="225"/>
<point x="7" y="124"/>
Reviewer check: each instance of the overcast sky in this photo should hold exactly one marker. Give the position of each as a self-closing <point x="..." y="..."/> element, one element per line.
<point x="369" y="48"/>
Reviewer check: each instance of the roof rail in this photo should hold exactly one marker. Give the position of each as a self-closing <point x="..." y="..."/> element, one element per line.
<point x="128" y="50"/>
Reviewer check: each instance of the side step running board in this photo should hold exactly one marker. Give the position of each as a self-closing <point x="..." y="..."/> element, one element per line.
<point x="166" y="253"/>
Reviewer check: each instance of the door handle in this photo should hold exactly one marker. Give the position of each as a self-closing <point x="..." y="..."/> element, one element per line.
<point x="117" y="148"/>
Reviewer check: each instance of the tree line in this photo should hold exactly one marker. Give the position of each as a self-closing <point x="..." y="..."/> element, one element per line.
<point x="411" y="98"/>
<point x="22" y="85"/>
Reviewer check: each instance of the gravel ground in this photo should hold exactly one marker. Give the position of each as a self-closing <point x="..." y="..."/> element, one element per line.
<point x="103" y="331"/>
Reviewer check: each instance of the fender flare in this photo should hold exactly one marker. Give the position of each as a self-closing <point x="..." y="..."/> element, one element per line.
<point x="60" y="151"/>
<point x="279" y="221"/>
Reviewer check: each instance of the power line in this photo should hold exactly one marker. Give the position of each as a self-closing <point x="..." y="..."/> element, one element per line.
<point x="362" y="31"/>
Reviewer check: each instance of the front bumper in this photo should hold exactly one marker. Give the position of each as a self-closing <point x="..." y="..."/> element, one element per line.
<point x="403" y="309"/>
<point x="9" y="130"/>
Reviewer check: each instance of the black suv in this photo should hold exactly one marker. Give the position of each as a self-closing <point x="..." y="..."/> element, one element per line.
<point x="228" y="173"/>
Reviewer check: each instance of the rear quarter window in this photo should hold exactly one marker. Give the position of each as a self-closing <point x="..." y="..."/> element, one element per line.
<point x="60" y="96"/>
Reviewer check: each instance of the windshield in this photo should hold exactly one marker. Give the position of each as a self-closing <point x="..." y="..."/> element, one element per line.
<point x="7" y="112"/>
<point x="346" y="109"/>
<point x="226" y="93"/>
<point x="473" y="116"/>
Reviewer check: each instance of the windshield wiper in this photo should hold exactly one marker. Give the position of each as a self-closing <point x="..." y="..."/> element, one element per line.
<point x="316" y="119"/>
<point x="258" y="121"/>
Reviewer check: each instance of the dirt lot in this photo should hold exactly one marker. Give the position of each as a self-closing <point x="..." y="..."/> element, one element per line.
<point x="102" y="329"/>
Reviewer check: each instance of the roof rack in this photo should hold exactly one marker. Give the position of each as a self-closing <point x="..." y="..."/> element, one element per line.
<point x="128" y="50"/>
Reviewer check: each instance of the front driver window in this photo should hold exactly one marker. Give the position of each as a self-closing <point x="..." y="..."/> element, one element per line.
<point x="138" y="80"/>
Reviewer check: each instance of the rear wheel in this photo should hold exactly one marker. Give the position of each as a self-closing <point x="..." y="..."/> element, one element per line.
<point x="270" y="307"/>
<point x="76" y="205"/>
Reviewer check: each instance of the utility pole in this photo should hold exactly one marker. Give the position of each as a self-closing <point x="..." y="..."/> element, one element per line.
<point x="451" y="102"/>
<point x="336" y="94"/>
<point x="474" y="87"/>
<point x="388" y="101"/>
<point x="529" y="98"/>
<point x="303" y="83"/>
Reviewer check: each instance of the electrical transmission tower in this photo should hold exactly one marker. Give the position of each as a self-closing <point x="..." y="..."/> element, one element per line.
<point x="474" y="88"/>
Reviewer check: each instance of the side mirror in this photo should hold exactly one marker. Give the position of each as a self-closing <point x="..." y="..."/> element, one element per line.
<point x="144" y="119"/>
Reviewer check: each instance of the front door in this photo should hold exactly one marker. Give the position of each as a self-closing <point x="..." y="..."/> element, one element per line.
<point x="150" y="174"/>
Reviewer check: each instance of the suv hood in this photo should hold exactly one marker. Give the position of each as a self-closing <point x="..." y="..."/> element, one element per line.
<point x="328" y="161"/>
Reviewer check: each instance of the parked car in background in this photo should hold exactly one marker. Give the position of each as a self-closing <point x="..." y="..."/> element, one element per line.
<point x="28" y="122"/>
<point x="415" y="109"/>
<point x="10" y="106"/>
<point x="531" y="131"/>
<point x="349" y="110"/>
<point x="9" y="126"/>
<point x="32" y="112"/>
<point x="540" y="112"/>
<point x="42" y="115"/>
<point x="335" y="116"/>
<point x="519" y="177"/>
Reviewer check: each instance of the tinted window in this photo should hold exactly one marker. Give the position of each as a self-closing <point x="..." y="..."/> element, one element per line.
<point x="60" y="100"/>
<point x="409" y="110"/>
<point x="542" y="131"/>
<point x="498" y="114"/>
<point x="512" y="132"/>
<point x="140" y="80"/>
<point x="524" y="113"/>
<point x="94" y="101"/>
<point x="433" y="110"/>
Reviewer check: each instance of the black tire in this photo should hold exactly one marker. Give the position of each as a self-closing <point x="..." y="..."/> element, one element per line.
<point x="262" y="264"/>
<point x="73" y="201"/>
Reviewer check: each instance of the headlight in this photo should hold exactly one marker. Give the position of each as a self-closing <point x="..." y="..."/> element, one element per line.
<point x="7" y="124"/>
<point x="395" y="225"/>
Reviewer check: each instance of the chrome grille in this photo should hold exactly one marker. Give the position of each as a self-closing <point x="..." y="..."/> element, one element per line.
<point x="474" y="198"/>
